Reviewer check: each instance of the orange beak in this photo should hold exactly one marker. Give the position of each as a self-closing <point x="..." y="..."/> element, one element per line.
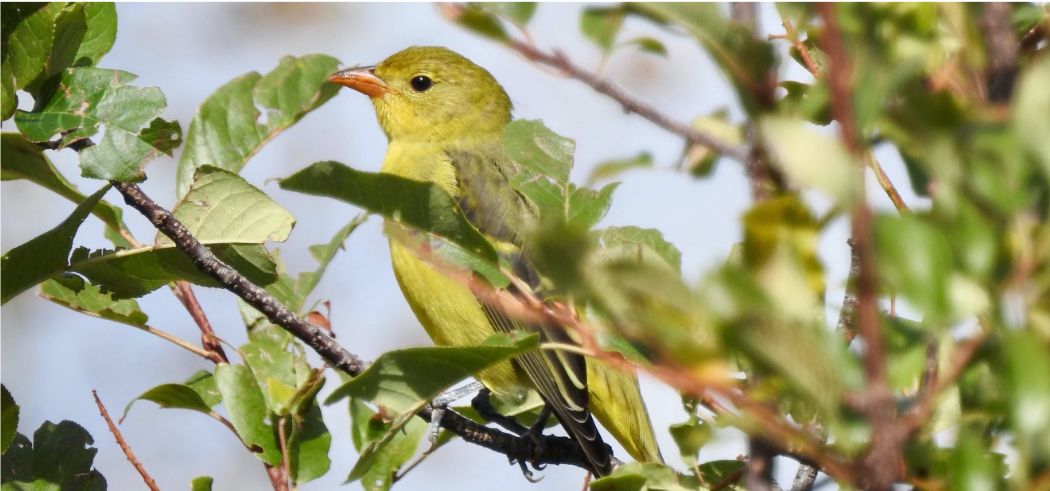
<point x="362" y="79"/>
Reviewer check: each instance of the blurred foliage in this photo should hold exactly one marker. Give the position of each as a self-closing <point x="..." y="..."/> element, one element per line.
<point x="969" y="118"/>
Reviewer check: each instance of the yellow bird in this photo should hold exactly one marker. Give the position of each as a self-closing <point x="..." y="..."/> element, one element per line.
<point x="444" y="118"/>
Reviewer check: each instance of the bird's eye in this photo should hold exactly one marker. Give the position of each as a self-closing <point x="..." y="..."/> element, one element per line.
<point x="421" y="83"/>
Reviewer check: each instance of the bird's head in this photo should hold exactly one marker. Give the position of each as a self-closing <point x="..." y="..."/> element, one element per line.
<point x="431" y="94"/>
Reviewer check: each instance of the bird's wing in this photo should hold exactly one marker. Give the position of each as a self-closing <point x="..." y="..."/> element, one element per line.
<point x="499" y="211"/>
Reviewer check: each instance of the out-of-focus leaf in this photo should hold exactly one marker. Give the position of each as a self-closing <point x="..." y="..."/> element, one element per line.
<point x="819" y="57"/>
<point x="101" y="33"/>
<point x="383" y="447"/>
<point x="613" y="168"/>
<point x="87" y="98"/>
<point x="699" y="160"/>
<point x="202" y="483"/>
<point x="8" y="418"/>
<point x="1031" y="111"/>
<point x="44" y="256"/>
<point x="132" y="273"/>
<point x="401" y="380"/>
<point x="308" y="446"/>
<point x="974" y="467"/>
<point x="246" y="405"/>
<point x="292" y="292"/>
<point x="601" y="24"/>
<point x="520" y="12"/>
<point x="73" y="292"/>
<point x="478" y="20"/>
<point x="226" y="131"/>
<point x="745" y="59"/>
<point x="807" y="101"/>
<point x="59" y="458"/>
<point x="445" y="255"/>
<point x="652" y="238"/>
<point x="221" y="206"/>
<point x="23" y="160"/>
<point x="915" y="260"/>
<point x="422" y="206"/>
<point x="638" y="476"/>
<point x="812" y="159"/>
<point x="648" y="45"/>
<point x="690" y="436"/>
<point x="1028" y="382"/>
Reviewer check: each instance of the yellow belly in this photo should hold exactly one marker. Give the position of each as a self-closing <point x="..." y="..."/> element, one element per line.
<point x="452" y="316"/>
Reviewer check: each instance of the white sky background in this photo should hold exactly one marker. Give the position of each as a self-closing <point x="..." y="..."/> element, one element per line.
<point x="53" y="357"/>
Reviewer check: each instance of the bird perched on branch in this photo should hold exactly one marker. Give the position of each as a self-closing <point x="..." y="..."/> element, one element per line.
<point x="444" y="118"/>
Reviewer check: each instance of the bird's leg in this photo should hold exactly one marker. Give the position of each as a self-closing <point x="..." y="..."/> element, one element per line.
<point x="481" y="404"/>
<point x="440" y="404"/>
<point x="535" y="432"/>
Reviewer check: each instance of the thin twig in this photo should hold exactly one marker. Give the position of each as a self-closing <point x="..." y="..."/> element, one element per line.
<point x="732" y="478"/>
<point x="150" y="483"/>
<point x="559" y="61"/>
<point x="926" y="403"/>
<point x="208" y="339"/>
<point x="802" y="50"/>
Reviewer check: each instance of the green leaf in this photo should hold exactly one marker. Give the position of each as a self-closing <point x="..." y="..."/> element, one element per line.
<point x="44" y="256"/>
<point x="291" y="292"/>
<point x="813" y="159"/>
<point x="545" y="159"/>
<point x="202" y="483"/>
<point x="699" y="160"/>
<point x="222" y="207"/>
<point x="8" y="98"/>
<point x="478" y="20"/>
<point x="915" y="260"/>
<point x="638" y="476"/>
<point x="401" y="380"/>
<point x="1031" y="107"/>
<point x="226" y="131"/>
<point x="72" y="292"/>
<point x="613" y="168"/>
<point x="1028" y="380"/>
<point x="649" y="237"/>
<point x="8" y="418"/>
<point x="974" y="467"/>
<point x="539" y="150"/>
<point x="101" y="33"/>
<point x="132" y="273"/>
<point x="819" y="57"/>
<point x="177" y="396"/>
<point x="383" y="446"/>
<point x="58" y="459"/>
<point x="689" y="437"/>
<point x="601" y="24"/>
<point x="203" y="382"/>
<point x="246" y="406"/>
<point x="520" y="12"/>
<point x="87" y="98"/>
<point x="29" y="34"/>
<point x="446" y="255"/>
<point x="805" y="101"/>
<point x="308" y="446"/>
<point x="422" y="206"/>
<point x="648" y="45"/>
<point x="70" y="27"/>
<point x="24" y="160"/>
<point x="717" y="471"/>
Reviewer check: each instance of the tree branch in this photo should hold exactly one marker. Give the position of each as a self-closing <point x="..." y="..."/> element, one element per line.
<point x="630" y="103"/>
<point x="879" y="466"/>
<point x="547" y="450"/>
<point x="1002" y="49"/>
<point x="150" y="483"/>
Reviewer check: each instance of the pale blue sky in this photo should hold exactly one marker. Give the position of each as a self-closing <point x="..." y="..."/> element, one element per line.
<point x="52" y="357"/>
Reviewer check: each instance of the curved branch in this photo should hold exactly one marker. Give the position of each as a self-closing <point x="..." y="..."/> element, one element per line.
<point x="546" y="450"/>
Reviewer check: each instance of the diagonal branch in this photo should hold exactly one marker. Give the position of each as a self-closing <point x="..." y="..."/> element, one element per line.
<point x="546" y="450"/>
<point x="150" y="483"/>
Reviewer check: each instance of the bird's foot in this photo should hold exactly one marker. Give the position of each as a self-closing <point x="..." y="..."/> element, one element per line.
<point x="439" y="405"/>
<point x="483" y="406"/>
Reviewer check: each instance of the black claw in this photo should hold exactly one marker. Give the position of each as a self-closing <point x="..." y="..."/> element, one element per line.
<point x="481" y="404"/>
<point x="527" y="473"/>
